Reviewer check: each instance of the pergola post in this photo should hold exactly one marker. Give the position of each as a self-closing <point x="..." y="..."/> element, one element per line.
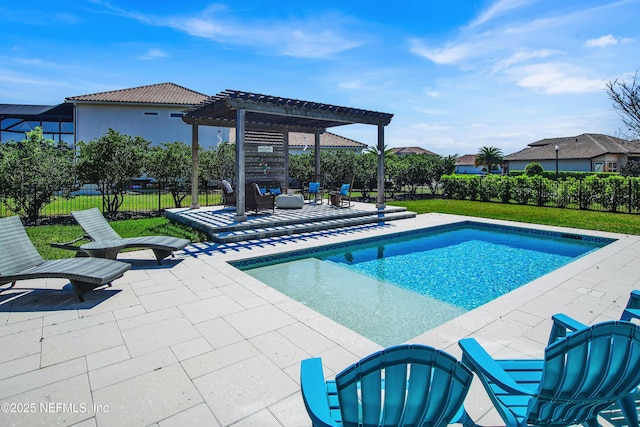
<point x="240" y="166"/>
<point x="194" y="166"/>
<point x="317" y="155"/>
<point x="380" y="199"/>
<point x="286" y="160"/>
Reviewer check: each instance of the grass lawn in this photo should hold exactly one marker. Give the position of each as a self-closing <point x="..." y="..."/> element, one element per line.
<point x="588" y="220"/>
<point x="42" y="236"/>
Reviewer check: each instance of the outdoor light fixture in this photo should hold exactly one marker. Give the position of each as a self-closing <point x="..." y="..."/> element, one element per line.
<point x="557" y="148"/>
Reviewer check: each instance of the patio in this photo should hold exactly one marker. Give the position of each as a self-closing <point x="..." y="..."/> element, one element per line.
<point x="198" y="342"/>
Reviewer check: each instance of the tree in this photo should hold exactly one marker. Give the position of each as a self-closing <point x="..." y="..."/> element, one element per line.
<point x="366" y="172"/>
<point x="626" y="101"/>
<point x="112" y="162"/>
<point x="170" y="164"/>
<point x="32" y="172"/>
<point x="301" y="168"/>
<point x="489" y="157"/>
<point x="631" y="168"/>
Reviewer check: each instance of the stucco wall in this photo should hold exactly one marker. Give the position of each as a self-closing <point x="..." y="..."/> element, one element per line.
<point x="550" y="165"/>
<point x="153" y="123"/>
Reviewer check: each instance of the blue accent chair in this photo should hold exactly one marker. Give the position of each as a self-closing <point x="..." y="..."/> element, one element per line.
<point x="585" y="370"/>
<point x="405" y="385"/>
<point x="314" y="193"/>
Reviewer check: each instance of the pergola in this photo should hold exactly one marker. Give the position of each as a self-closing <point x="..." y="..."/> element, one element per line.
<point x="256" y="112"/>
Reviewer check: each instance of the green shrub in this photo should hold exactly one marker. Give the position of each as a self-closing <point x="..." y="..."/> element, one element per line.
<point x="533" y="169"/>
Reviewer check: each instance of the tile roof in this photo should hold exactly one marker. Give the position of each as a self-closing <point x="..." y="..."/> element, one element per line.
<point x="300" y="139"/>
<point x="466" y="160"/>
<point x="162" y="93"/>
<point x="412" y="150"/>
<point x="327" y="139"/>
<point x="585" y="146"/>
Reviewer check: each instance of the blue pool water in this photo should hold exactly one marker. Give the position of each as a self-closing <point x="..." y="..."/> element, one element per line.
<point x="393" y="289"/>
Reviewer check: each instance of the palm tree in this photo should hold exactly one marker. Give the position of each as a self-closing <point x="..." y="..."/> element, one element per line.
<point x="489" y="157"/>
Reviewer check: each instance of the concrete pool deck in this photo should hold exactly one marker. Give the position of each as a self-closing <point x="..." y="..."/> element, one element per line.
<point x="198" y="342"/>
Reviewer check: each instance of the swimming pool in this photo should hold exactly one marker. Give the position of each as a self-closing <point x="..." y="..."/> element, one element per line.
<point x="391" y="289"/>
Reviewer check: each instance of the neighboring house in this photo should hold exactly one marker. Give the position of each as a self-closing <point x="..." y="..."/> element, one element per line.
<point x="466" y="165"/>
<point x="300" y="143"/>
<point x="153" y="112"/>
<point x="405" y="151"/>
<point x="583" y="153"/>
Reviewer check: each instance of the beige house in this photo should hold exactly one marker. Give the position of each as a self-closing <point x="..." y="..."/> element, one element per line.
<point x="583" y="153"/>
<point x="300" y="143"/>
<point x="153" y="112"/>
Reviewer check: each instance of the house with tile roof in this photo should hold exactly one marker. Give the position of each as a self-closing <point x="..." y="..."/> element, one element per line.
<point x="153" y="112"/>
<point x="404" y="151"/>
<point x="466" y="165"/>
<point x="583" y="153"/>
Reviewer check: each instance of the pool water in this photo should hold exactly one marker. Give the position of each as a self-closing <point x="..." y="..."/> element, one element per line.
<point x="391" y="290"/>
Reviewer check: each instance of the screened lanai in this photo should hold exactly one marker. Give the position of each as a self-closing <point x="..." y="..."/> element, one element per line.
<point x="56" y="121"/>
<point x="252" y="113"/>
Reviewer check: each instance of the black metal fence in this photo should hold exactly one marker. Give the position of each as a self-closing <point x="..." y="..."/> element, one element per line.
<point x="136" y="202"/>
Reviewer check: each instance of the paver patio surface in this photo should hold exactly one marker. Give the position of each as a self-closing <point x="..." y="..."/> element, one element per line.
<point x="196" y="341"/>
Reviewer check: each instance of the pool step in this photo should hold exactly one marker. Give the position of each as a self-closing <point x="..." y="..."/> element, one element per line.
<point x="240" y="232"/>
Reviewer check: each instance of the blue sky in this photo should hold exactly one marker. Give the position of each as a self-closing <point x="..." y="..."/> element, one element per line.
<point x="457" y="74"/>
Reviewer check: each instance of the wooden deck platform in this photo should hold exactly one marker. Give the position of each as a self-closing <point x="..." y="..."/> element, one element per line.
<point x="220" y="225"/>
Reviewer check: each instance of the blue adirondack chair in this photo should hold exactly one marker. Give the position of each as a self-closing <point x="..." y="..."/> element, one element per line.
<point x="405" y="385"/>
<point x="633" y="307"/>
<point x="582" y="373"/>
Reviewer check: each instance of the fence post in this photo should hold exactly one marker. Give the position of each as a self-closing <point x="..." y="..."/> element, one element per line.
<point x="580" y="194"/>
<point x="629" y="202"/>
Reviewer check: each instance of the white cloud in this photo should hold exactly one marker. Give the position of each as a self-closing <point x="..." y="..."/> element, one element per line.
<point x="430" y="127"/>
<point x="297" y="37"/>
<point x="603" y="41"/>
<point x="555" y="78"/>
<point x="312" y="44"/>
<point x="153" y="54"/>
<point x="450" y="54"/>
<point x="524" y="56"/>
<point x="432" y="93"/>
<point x="496" y="10"/>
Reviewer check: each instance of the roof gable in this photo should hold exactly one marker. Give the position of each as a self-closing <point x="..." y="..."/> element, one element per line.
<point x="302" y="140"/>
<point x="585" y="146"/>
<point x="162" y="93"/>
<point x="411" y="150"/>
<point x="466" y="160"/>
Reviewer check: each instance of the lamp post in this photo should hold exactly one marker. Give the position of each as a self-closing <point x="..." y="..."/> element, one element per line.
<point x="557" y="148"/>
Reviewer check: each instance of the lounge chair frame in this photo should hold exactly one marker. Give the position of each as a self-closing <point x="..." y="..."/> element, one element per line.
<point x="20" y="260"/>
<point x="97" y="228"/>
